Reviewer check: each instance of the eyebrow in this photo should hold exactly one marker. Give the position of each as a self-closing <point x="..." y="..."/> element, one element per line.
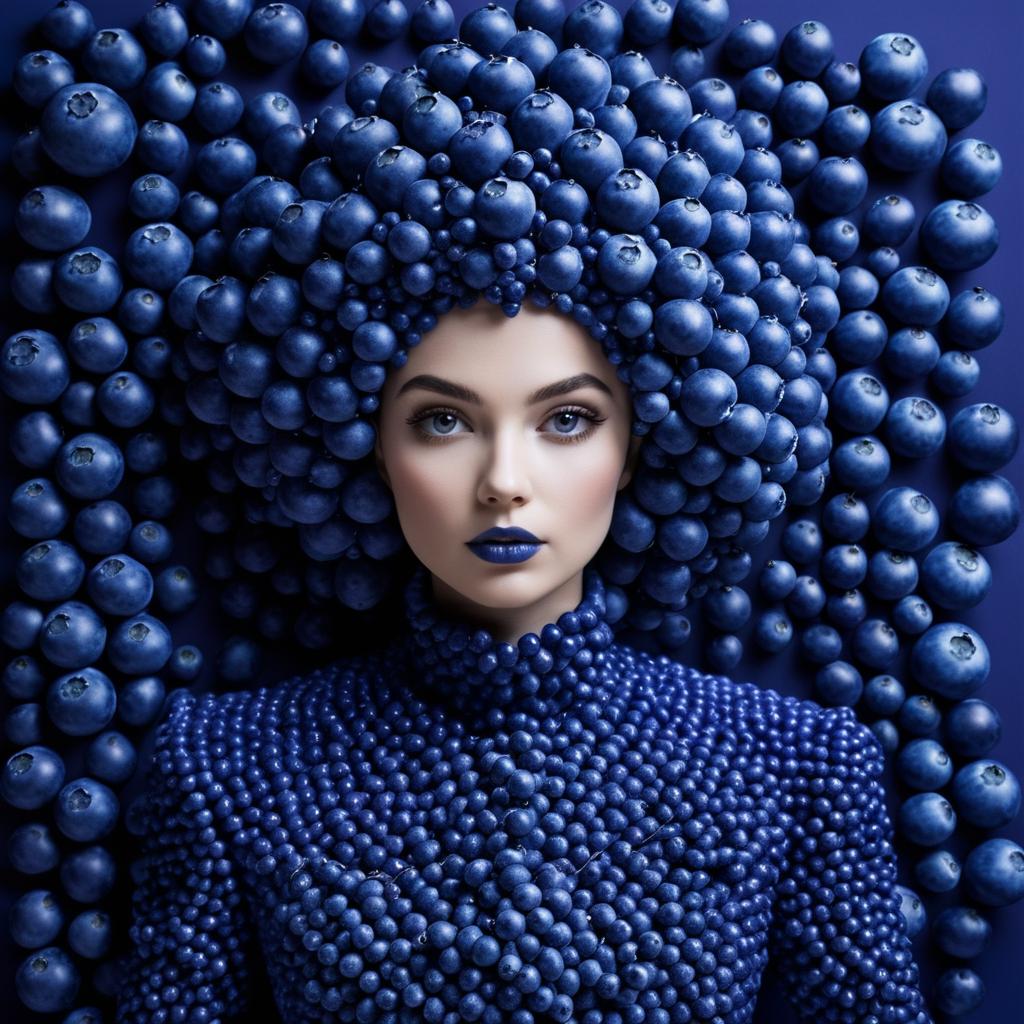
<point x="428" y="382"/>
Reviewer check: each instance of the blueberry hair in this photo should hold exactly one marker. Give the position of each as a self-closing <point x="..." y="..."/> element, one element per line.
<point x="555" y="177"/>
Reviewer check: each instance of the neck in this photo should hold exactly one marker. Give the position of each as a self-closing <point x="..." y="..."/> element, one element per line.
<point x="509" y="624"/>
<point x="536" y="674"/>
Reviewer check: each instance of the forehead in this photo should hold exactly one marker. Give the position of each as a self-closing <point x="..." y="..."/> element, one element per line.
<point x="500" y="355"/>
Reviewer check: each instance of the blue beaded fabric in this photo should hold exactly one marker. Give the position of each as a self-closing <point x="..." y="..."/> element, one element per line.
<point x="457" y="829"/>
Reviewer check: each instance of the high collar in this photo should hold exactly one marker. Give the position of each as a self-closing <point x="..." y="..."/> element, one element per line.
<point x="475" y="675"/>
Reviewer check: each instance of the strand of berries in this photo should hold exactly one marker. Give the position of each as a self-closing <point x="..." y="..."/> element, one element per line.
<point x="681" y="237"/>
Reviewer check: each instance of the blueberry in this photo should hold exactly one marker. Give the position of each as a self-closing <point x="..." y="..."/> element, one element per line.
<point x="225" y="165"/>
<point x="912" y="909"/>
<point x="971" y="168"/>
<point x="276" y="33"/>
<point x="47" y="980"/>
<point x="911" y="352"/>
<point x="973" y="727"/>
<point x="924" y="764"/>
<point x="912" y="615"/>
<point x="713" y="96"/>
<point x="67" y="25"/>
<point x="760" y="88"/>
<point x="951" y="660"/>
<point x="87" y="129"/>
<point x="89" y="466"/>
<point x="718" y="143"/>
<point x="168" y="92"/>
<point x="959" y="235"/>
<point x="808" y="48"/>
<point x="205" y="56"/>
<point x="838" y="684"/>
<point x="218" y="107"/>
<point x="432" y="21"/>
<point x="955" y="576"/>
<point x="86" y="809"/>
<point x="114" y="57"/>
<point x="986" y="793"/>
<point x="938" y="872"/>
<point x="920" y="715"/>
<point x="140" y="700"/>
<point x="325" y="63"/>
<point x="81" y="703"/>
<point x="153" y="197"/>
<point x="102" y="527"/>
<point x="906" y="136"/>
<point x="927" y="819"/>
<point x="158" y="255"/>
<point x="750" y="43"/>
<point x="36" y="511"/>
<point x="859" y="337"/>
<point x="914" y="427"/>
<point x="983" y="437"/>
<point x="773" y="630"/>
<point x="50" y="571"/>
<point x="225" y="18"/>
<point x="36" y="919"/>
<point x="836" y="239"/>
<point x="33" y="368"/>
<point x="164" y="28"/>
<point x="32" y="286"/>
<point x="841" y="81"/>
<point x="38" y="75"/>
<point x="992" y="872"/>
<point x="893" y="65"/>
<point x="801" y="109"/>
<point x="917" y="296"/>
<point x="958" y="96"/>
<point x="31" y="777"/>
<point x="72" y="635"/>
<point x="984" y="510"/>
<point x="859" y="401"/>
<point x="162" y="146"/>
<point x="905" y="519"/>
<point x="90" y="934"/>
<point x="821" y="644"/>
<point x="956" y="373"/>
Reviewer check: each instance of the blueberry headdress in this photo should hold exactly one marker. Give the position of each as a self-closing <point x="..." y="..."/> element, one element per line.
<point x="501" y="167"/>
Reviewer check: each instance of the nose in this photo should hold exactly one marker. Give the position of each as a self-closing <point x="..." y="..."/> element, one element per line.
<point x="505" y="474"/>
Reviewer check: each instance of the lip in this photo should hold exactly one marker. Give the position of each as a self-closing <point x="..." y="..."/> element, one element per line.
<point x="505" y="553"/>
<point x="498" y="534"/>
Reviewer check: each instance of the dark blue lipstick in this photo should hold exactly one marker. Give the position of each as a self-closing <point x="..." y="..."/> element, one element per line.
<point x="505" y="545"/>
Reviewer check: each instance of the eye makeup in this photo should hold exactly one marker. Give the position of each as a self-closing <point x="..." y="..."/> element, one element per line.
<point x="583" y="412"/>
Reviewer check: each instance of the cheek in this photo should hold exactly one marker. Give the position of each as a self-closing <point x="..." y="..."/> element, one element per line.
<point x="586" y="484"/>
<point x="418" y="485"/>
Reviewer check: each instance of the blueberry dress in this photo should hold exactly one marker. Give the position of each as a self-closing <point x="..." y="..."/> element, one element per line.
<point x="567" y="829"/>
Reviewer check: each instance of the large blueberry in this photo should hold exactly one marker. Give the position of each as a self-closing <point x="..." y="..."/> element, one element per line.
<point x="87" y="129"/>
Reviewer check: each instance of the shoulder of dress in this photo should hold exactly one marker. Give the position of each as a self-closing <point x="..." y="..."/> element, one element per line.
<point x="733" y="697"/>
<point x="191" y="711"/>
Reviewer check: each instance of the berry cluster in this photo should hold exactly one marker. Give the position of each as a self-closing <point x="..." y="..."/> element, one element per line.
<point x="560" y="830"/>
<point x="704" y="231"/>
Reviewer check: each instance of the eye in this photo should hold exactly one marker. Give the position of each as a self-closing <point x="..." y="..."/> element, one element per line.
<point x="574" y="415"/>
<point x="444" y="421"/>
<point x="431" y="417"/>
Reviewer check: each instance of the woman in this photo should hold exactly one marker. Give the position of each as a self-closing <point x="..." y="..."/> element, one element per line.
<point x="505" y="815"/>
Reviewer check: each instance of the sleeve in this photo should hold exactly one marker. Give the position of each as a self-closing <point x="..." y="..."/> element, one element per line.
<point x="839" y="944"/>
<point x="190" y="930"/>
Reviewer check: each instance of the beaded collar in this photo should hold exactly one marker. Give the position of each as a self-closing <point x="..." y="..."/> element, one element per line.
<point x="474" y="675"/>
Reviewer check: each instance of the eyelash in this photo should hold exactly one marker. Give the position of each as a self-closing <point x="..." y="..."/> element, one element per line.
<point x="577" y="410"/>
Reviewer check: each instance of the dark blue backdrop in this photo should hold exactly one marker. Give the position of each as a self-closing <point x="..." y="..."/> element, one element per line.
<point x="985" y="34"/>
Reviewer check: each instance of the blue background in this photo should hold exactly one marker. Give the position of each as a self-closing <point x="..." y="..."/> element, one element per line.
<point x="987" y="35"/>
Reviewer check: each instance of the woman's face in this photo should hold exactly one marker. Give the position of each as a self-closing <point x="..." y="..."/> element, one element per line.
<point x="468" y="441"/>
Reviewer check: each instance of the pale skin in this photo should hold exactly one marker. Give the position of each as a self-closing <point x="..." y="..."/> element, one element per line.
<point x="551" y="466"/>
